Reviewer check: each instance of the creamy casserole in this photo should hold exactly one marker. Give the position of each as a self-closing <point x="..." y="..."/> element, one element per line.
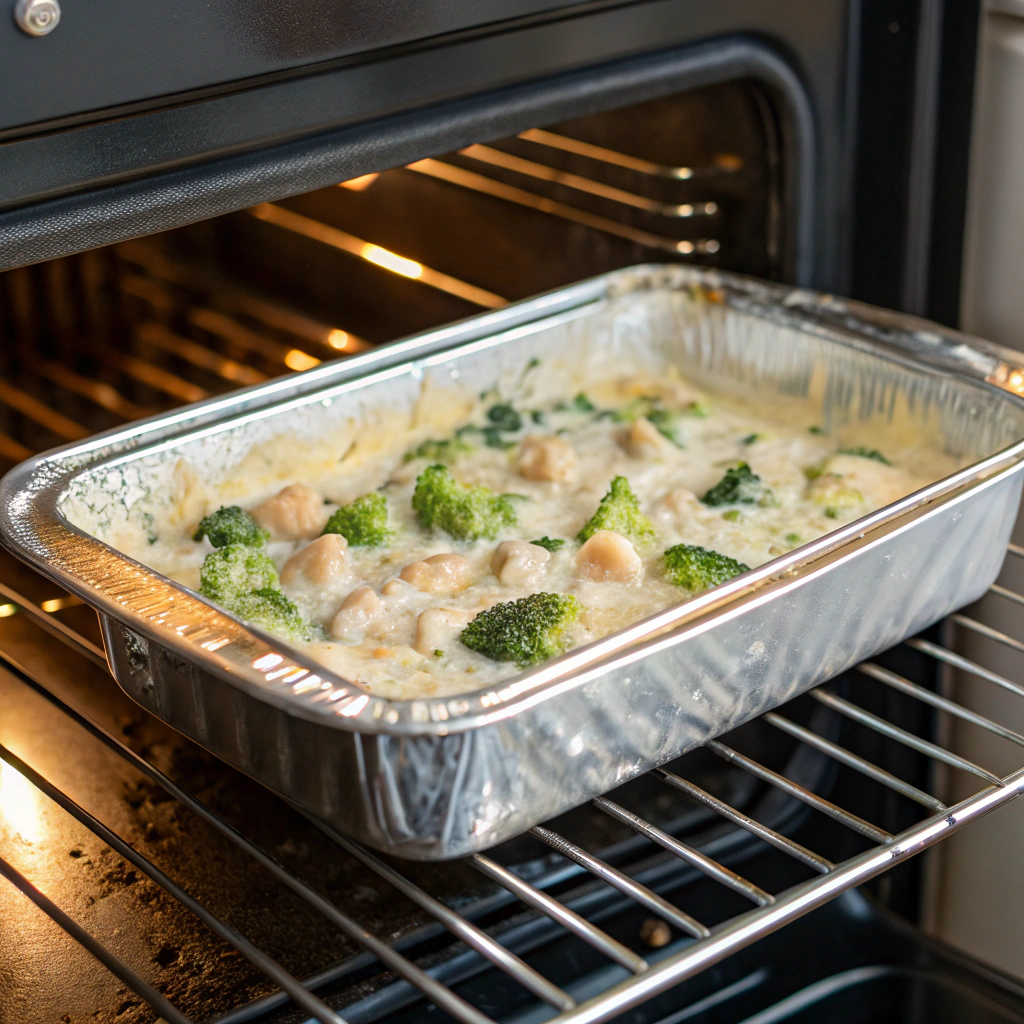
<point x="369" y="579"/>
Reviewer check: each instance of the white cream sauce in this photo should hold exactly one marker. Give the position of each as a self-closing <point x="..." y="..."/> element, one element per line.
<point x="815" y="490"/>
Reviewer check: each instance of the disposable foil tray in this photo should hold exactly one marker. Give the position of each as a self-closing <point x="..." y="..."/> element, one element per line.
<point x="442" y="777"/>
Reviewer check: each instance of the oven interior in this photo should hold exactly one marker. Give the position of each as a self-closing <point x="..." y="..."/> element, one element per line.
<point x="110" y="335"/>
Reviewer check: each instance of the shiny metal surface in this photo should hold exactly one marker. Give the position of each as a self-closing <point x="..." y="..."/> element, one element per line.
<point x="37" y="17"/>
<point x="430" y="779"/>
<point x="618" y="990"/>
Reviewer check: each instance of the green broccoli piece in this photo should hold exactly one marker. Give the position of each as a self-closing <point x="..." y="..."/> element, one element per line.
<point x="549" y="543"/>
<point x="739" y="486"/>
<point x="244" y="581"/>
<point x="579" y="404"/>
<point x="750" y="439"/>
<point x="505" y="418"/>
<point x="274" y="611"/>
<point x="364" y="523"/>
<point x="467" y="513"/>
<point x="235" y="570"/>
<point x="619" y="510"/>
<point x="440" y="451"/>
<point x="696" y="569"/>
<point x="527" y="631"/>
<point x="866" y="453"/>
<point x="231" y="525"/>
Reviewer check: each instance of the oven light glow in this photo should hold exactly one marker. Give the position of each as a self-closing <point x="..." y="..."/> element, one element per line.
<point x="296" y="359"/>
<point x="58" y="604"/>
<point x="360" y="183"/>
<point x="390" y="260"/>
<point x="18" y="803"/>
<point x="7" y="610"/>
<point x="338" y="339"/>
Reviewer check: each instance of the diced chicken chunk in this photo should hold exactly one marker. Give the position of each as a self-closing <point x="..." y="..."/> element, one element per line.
<point x="357" y="611"/>
<point x="643" y="440"/>
<point x="437" y="629"/>
<point x="295" y="513"/>
<point x="515" y="562"/>
<point x="397" y="589"/>
<point x="320" y="561"/>
<point x="681" y="502"/>
<point x="547" y="458"/>
<point x="439" y="574"/>
<point x="608" y="557"/>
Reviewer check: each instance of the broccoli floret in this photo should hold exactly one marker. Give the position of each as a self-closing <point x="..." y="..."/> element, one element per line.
<point x="274" y="611"/>
<point x="739" y="486"/>
<point x="866" y="453"/>
<point x="231" y="525"/>
<point x="235" y="570"/>
<point x="467" y="513"/>
<point x="440" y="451"/>
<point x="619" y="510"/>
<point x="504" y="417"/>
<point x="695" y="568"/>
<point x="364" y="523"/>
<point x="527" y="631"/>
<point x="244" y="580"/>
<point x="579" y="404"/>
<point x="550" y="543"/>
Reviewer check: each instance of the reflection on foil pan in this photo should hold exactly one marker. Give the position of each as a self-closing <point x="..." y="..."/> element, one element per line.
<point x="438" y="778"/>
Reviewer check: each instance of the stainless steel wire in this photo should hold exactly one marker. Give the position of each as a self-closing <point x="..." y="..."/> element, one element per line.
<point x="841" y="754"/>
<point x="270" y="967"/>
<point x="744" y="821"/>
<point x="167" y="1010"/>
<point x="711" y="945"/>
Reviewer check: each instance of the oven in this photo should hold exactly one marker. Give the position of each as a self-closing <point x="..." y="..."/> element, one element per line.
<point x="195" y="199"/>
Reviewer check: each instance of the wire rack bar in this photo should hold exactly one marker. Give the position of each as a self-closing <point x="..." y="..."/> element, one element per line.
<point x="686" y="853"/>
<point x="1008" y="594"/>
<point x="851" y="760"/>
<point x="993" y="634"/>
<point x="780" y="842"/>
<point x="711" y="945"/>
<point x="759" y="771"/>
<point x="897" y="682"/>
<point x="167" y="1010"/>
<point x="651" y="900"/>
<point x="548" y="905"/>
<point x="434" y="990"/>
<point x="543" y="172"/>
<point x="474" y="937"/>
<point x="747" y="928"/>
<point x="270" y="967"/>
<point x="880" y="725"/>
<point x="55" y="627"/>
<point x="964" y="664"/>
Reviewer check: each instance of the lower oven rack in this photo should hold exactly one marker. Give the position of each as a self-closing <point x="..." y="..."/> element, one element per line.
<point x="634" y="979"/>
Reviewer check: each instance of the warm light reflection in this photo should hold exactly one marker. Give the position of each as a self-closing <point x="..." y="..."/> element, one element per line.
<point x="296" y="359"/>
<point x="338" y="339"/>
<point x="18" y="803"/>
<point x="358" y="184"/>
<point x="6" y="610"/>
<point x="391" y="260"/>
<point x="58" y="604"/>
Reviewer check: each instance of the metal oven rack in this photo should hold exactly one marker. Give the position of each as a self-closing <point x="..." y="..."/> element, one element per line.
<point x="635" y="979"/>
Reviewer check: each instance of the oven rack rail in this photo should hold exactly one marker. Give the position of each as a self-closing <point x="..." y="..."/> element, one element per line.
<point x="706" y="946"/>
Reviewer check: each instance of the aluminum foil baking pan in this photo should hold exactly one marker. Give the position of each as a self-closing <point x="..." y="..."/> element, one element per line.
<point x="438" y="778"/>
